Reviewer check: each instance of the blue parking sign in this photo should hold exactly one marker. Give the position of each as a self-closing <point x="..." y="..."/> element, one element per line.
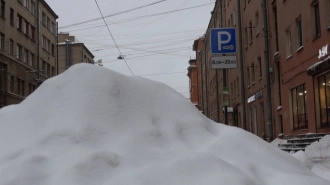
<point x="223" y="40"/>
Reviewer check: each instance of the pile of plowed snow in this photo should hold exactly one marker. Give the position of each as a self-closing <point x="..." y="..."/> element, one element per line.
<point x="93" y="126"/>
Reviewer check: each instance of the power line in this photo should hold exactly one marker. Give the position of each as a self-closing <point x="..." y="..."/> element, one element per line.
<point x="113" y="37"/>
<point x="142" y="17"/>
<point x="103" y="17"/>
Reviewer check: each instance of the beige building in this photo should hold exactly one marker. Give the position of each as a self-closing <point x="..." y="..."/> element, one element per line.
<point x="72" y="52"/>
<point x="19" y="48"/>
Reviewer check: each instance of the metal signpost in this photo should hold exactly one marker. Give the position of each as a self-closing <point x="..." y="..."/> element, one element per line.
<point x="223" y="41"/>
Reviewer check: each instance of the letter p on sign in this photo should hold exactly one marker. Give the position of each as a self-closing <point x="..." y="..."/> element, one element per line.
<point x="220" y="41"/>
<point x="223" y="40"/>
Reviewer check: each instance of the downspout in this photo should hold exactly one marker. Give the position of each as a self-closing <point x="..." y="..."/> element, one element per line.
<point x="206" y="93"/>
<point x="57" y="48"/>
<point x="216" y="74"/>
<point x="266" y="53"/>
<point x="241" y="63"/>
<point x="38" y="42"/>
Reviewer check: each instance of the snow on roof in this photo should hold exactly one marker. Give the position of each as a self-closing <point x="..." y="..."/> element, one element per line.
<point x="91" y="125"/>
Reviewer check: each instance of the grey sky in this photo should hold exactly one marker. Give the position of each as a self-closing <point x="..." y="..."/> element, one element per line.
<point x="153" y="45"/>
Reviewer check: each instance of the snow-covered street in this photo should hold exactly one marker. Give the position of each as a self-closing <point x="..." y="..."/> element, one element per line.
<point x="94" y="126"/>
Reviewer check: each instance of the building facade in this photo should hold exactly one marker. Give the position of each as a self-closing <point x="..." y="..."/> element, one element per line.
<point x="284" y="51"/>
<point x="193" y="82"/>
<point x="72" y="52"/>
<point x="20" y="74"/>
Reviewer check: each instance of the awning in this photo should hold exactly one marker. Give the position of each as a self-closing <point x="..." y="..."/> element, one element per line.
<point x="319" y="67"/>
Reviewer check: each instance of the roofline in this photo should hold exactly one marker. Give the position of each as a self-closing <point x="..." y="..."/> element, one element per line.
<point x="49" y="8"/>
<point x="79" y="44"/>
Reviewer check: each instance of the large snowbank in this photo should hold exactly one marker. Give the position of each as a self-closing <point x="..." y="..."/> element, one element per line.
<point x="317" y="157"/>
<point x="94" y="126"/>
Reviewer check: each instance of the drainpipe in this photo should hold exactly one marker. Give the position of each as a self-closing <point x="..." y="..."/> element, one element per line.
<point x="206" y="93"/>
<point x="38" y="41"/>
<point x="216" y="74"/>
<point x="201" y="68"/>
<point x="241" y="63"/>
<point x="57" y="48"/>
<point x="266" y="53"/>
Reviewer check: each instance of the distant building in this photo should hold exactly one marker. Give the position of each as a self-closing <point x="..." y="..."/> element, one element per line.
<point x="72" y="52"/>
<point x="193" y="82"/>
<point x="19" y="48"/>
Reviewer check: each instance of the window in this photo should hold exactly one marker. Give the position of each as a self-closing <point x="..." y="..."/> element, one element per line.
<point x="11" y="47"/>
<point x="53" y="50"/>
<point x="25" y="55"/>
<point x="48" y="45"/>
<point x="43" y="19"/>
<point x="2" y="8"/>
<point x="11" y="16"/>
<point x="53" y="71"/>
<point x="19" y="22"/>
<point x="328" y="12"/>
<point x="43" y="67"/>
<point x="317" y="23"/>
<point x="25" y="3"/>
<point x="252" y="73"/>
<point x="257" y="23"/>
<point x="33" y="8"/>
<point x="299" y="102"/>
<point x="275" y="28"/>
<point x="33" y="33"/>
<point x="251" y="34"/>
<point x="24" y="27"/>
<point x="324" y="98"/>
<point x="53" y="28"/>
<point x="23" y="87"/>
<point x="2" y="41"/>
<point x="43" y="42"/>
<point x="260" y="67"/>
<point x="18" y="86"/>
<point x="278" y="76"/>
<point x="299" y="32"/>
<point x="12" y="84"/>
<point x="48" y="70"/>
<point x="32" y="59"/>
<point x="27" y="30"/>
<point x="288" y="43"/>
<point x="48" y="23"/>
<point x="19" y="52"/>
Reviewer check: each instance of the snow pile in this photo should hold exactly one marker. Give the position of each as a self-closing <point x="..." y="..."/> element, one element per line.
<point x="277" y="141"/>
<point x="317" y="157"/>
<point x="319" y="150"/>
<point x="94" y="126"/>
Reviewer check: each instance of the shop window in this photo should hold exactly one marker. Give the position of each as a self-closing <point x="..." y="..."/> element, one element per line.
<point x="299" y="102"/>
<point x="324" y="98"/>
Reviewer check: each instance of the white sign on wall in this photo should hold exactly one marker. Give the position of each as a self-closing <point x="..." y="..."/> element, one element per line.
<point x="223" y="62"/>
<point x="324" y="51"/>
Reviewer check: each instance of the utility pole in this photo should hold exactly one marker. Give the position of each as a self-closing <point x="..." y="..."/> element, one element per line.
<point x="38" y="41"/>
<point x="241" y="63"/>
<point x="266" y="53"/>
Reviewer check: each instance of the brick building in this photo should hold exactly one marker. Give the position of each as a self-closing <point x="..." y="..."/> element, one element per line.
<point x="19" y="48"/>
<point x="72" y="52"/>
<point x="298" y="71"/>
<point x="193" y="82"/>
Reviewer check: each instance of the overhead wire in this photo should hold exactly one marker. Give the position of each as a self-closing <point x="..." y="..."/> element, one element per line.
<point x="113" y="38"/>
<point x="103" y="17"/>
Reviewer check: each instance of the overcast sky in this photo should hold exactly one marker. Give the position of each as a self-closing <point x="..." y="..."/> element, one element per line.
<point x="157" y="47"/>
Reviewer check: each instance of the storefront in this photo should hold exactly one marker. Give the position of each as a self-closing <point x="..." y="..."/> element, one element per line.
<point x="321" y="78"/>
<point x="255" y="113"/>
